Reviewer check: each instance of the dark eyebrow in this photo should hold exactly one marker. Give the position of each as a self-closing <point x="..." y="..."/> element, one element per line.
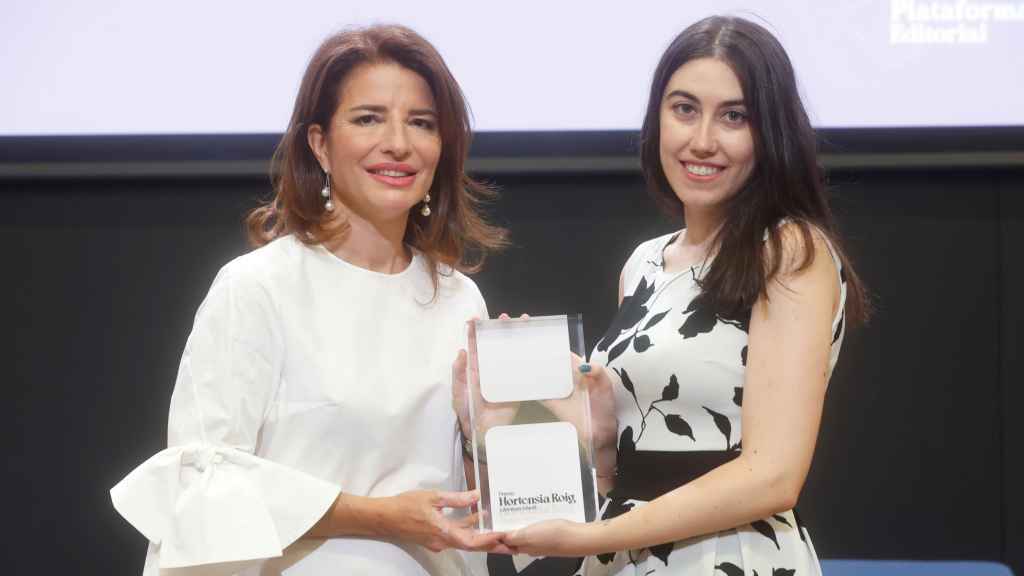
<point x="368" y="108"/>
<point x="382" y="109"/>
<point x="687" y="95"/>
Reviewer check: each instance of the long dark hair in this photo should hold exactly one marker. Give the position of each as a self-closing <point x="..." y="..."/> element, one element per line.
<point x="787" y="184"/>
<point x="456" y="233"/>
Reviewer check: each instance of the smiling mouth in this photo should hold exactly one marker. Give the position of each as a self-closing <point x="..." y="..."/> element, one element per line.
<point x="392" y="173"/>
<point x="702" y="170"/>
<point x="400" y="176"/>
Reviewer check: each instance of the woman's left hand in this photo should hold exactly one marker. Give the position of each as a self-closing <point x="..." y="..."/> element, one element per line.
<point x="555" y="538"/>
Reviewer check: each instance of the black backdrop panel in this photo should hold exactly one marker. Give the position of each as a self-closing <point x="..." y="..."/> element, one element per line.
<point x="109" y="277"/>
<point x="907" y="464"/>
<point x="1012" y="377"/>
<point x="105" y="277"/>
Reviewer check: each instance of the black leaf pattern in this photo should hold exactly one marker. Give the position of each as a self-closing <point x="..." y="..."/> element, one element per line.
<point x="783" y="572"/>
<point x="737" y="396"/>
<point x="723" y="424"/>
<point x="662" y="551"/>
<point x="676" y="425"/>
<point x="627" y="383"/>
<point x="618" y="349"/>
<point x="736" y="447"/>
<point x="743" y="356"/>
<point x="631" y="312"/>
<point x="656" y="318"/>
<point x="730" y="569"/>
<point x="641" y="343"/>
<point x="671" y="390"/>
<point x="704" y="315"/>
<point x="607" y="339"/>
<point x="701" y="319"/>
<point x="766" y="530"/>
<point x="782" y="519"/>
<point x="644" y="292"/>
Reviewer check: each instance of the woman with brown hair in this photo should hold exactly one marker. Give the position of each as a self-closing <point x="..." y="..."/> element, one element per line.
<point x="727" y="330"/>
<point x="310" y="428"/>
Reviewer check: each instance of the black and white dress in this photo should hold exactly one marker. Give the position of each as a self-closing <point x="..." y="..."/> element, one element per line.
<point x="678" y="370"/>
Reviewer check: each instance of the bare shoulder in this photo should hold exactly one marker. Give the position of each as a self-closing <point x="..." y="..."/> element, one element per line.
<point x="806" y="267"/>
<point x="804" y="248"/>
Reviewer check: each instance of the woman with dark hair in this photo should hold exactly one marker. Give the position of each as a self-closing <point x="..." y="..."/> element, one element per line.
<point x="311" y="429"/>
<point x="727" y="331"/>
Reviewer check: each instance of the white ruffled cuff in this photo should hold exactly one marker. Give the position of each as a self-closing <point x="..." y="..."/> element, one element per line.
<point x="204" y="504"/>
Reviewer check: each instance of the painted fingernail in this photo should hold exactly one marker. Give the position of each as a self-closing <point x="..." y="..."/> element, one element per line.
<point x="585" y="368"/>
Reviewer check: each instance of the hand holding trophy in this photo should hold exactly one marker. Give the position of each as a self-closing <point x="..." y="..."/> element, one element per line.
<point x="596" y="381"/>
<point x="528" y="416"/>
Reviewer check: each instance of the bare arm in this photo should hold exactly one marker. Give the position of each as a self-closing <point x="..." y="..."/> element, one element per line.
<point x="789" y="346"/>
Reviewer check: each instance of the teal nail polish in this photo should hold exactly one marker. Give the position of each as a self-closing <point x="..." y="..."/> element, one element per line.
<point x="585" y="368"/>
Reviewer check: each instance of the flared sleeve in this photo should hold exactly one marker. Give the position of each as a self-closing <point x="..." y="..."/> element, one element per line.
<point x="207" y="498"/>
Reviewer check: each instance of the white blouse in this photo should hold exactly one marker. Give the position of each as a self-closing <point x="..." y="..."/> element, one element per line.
<point x="304" y="376"/>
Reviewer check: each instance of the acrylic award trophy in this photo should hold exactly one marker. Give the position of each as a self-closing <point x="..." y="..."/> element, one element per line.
<point x="530" y="419"/>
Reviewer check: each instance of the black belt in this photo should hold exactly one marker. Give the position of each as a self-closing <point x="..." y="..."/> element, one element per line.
<point x="645" y="475"/>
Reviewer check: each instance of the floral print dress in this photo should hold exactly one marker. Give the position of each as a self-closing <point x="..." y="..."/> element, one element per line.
<point x="678" y="371"/>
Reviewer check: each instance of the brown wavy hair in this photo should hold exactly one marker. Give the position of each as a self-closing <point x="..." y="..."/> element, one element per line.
<point x="456" y="234"/>
<point x="787" y="184"/>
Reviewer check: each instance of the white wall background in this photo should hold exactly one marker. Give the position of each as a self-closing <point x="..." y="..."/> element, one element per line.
<point x="231" y="66"/>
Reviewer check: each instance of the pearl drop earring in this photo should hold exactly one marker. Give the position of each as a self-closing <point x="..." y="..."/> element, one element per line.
<point x="425" y="210"/>
<point x="326" y="192"/>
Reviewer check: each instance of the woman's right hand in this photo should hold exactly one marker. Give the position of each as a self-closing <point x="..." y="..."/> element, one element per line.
<point x="595" y="380"/>
<point x="417" y="516"/>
